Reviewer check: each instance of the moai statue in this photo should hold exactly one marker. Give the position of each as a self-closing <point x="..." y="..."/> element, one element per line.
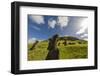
<point x="50" y="44"/>
<point x="59" y="44"/>
<point x="65" y="42"/>
<point x="54" y="42"/>
<point x="52" y="48"/>
<point x="34" y="44"/>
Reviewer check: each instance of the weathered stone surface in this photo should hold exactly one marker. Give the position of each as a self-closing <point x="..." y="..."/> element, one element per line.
<point x="52" y="48"/>
<point x="53" y="55"/>
<point x="65" y="42"/>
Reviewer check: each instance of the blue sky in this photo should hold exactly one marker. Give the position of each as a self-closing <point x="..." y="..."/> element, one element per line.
<point x="41" y="27"/>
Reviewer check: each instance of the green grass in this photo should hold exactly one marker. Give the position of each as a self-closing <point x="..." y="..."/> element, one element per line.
<point x="75" y="51"/>
<point x="39" y="52"/>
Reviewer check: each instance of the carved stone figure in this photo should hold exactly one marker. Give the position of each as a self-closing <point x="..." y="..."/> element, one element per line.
<point x="52" y="48"/>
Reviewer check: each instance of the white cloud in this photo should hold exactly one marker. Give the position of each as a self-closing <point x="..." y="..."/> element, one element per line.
<point x="52" y="23"/>
<point x="38" y="19"/>
<point x="85" y="39"/>
<point x="62" y="21"/>
<point x="84" y="26"/>
<point x="84" y="35"/>
<point x="36" y="28"/>
<point x="32" y="40"/>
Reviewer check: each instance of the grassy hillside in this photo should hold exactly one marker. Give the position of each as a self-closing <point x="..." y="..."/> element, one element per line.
<point x="75" y="49"/>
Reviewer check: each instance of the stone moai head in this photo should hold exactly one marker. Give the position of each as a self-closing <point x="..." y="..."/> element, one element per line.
<point x="36" y="41"/>
<point x="53" y="43"/>
<point x="55" y="36"/>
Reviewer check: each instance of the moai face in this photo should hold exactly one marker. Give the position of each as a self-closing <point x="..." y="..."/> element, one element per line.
<point x="54" y="41"/>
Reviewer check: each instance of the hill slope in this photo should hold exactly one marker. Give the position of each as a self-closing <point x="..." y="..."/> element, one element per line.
<point x="75" y="49"/>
